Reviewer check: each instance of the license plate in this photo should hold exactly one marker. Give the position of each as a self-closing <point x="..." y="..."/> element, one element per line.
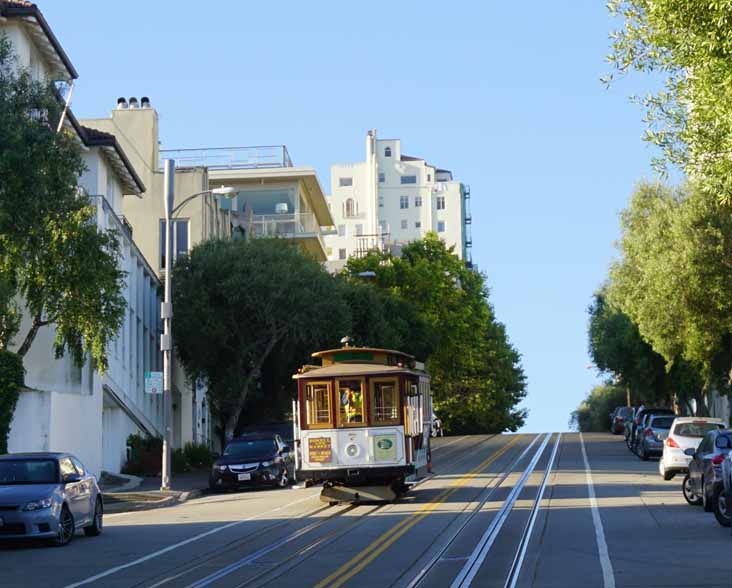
<point x="242" y="477"/>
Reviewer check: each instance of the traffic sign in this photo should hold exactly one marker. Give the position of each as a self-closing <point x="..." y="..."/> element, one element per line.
<point x="153" y="382"/>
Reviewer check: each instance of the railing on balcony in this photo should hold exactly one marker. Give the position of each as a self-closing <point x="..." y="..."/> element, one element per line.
<point x="262" y="156"/>
<point x="284" y="225"/>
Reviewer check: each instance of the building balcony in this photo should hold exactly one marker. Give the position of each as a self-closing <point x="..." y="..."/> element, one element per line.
<point x="257" y="157"/>
<point x="301" y="226"/>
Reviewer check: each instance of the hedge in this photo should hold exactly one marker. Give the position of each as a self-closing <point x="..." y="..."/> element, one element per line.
<point x="11" y="380"/>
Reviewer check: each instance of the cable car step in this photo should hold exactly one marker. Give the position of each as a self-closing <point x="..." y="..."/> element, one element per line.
<point x="332" y="494"/>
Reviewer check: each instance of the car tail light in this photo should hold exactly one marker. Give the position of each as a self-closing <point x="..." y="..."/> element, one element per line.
<point x="649" y="433"/>
<point x="718" y="459"/>
<point x="671" y="442"/>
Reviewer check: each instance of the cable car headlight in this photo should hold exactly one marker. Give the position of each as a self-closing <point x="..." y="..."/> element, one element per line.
<point x="352" y="450"/>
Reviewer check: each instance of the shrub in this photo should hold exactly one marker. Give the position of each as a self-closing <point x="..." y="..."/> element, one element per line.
<point x="11" y="380"/>
<point x="198" y="455"/>
<point x="146" y="457"/>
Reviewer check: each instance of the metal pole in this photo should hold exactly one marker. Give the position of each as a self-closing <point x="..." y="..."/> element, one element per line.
<point x="166" y="342"/>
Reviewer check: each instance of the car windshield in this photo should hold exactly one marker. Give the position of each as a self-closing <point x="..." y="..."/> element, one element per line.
<point x="251" y="448"/>
<point x="28" y="471"/>
<point x="662" y="422"/>
<point x="696" y="429"/>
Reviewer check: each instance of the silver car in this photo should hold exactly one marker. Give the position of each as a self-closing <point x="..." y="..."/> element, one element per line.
<point x="655" y="430"/>
<point x="47" y="496"/>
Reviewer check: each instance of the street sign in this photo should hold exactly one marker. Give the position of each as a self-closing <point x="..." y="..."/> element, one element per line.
<point x="153" y="382"/>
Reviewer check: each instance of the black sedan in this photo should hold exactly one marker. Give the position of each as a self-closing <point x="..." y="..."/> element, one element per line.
<point x="253" y="460"/>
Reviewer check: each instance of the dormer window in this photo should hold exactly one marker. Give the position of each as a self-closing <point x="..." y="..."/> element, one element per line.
<point x="387" y="152"/>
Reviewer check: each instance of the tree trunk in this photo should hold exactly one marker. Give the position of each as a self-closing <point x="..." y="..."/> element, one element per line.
<point x="30" y="337"/>
<point x="627" y="395"/>
<point x="233" y="419"/>
<point x="701" y="401"/>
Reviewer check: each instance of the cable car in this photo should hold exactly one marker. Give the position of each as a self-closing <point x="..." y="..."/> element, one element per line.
<point x="362" y="423"/>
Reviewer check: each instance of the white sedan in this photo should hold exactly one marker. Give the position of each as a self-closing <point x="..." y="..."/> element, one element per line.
<point x="685" y="433"/>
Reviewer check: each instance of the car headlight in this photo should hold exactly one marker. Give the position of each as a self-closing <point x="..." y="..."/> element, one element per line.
<point x="266" y="464"/>
<point x="221" y="468"/>
<point x="38" y="504"/>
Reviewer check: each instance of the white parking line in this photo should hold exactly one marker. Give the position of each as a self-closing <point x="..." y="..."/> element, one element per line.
<point x="193" y="539"/>
<point x="608" y="577"/>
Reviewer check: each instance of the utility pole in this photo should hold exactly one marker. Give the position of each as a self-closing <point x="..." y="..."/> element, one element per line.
<point x="166" y="342"/>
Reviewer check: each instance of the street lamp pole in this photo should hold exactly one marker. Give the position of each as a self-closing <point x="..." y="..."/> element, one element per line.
<point x="166" y="311"/>
<point x="166" y="342"/>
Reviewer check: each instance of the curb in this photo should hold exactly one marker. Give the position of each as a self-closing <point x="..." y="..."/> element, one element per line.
<point x="116" y="507"/>
<point x="132" y="483"/>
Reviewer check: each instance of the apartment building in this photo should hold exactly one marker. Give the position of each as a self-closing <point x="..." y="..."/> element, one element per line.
<point x="391" y="199"/>
<point x="271" y="198"/>
<point x="64" y="407"/>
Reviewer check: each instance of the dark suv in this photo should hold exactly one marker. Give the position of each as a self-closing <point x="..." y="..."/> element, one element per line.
<point x="254" y="459"/>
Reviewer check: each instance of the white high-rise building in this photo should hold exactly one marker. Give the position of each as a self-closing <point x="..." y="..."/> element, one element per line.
<point x="391" y="199"/>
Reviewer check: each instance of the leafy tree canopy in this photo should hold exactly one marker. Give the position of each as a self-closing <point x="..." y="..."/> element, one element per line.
<point x="674" y="277"/>
<point x="690" y="118"/>
<point x="592" y="415"/>
<point x="477" y="379"/>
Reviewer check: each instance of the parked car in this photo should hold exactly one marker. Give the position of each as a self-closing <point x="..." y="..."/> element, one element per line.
<point x="48" y="496"/>
<point x="703" y="484"/>
<point x="686" y="433"/>
<point x="618" y="418"/>
<point x="654" y="433"/>
<point x="639" y="422"/>
<point x="254" y="459"/>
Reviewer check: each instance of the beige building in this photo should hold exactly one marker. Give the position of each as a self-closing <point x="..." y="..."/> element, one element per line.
<point x="273" y="198"/>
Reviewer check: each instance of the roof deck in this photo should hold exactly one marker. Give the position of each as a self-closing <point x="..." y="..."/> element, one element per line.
<point x="255" y="157"/>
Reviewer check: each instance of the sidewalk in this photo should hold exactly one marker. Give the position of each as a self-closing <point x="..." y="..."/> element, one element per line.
<point x="127" y="493"/>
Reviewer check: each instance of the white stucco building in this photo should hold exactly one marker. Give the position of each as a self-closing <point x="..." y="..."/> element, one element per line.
<point x="65" y="407"/>
<point x="390" y="199"/>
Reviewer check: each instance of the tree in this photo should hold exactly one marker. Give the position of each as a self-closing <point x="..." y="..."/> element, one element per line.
<point x="237" y="302"/>
<point x="593" y="412"/>
<point x="617" y="348"/>
<point x="51" y="251"/>
<point x="477" y="379"/>
<point x="690" y="119"/>
<point x="674" y="277"/>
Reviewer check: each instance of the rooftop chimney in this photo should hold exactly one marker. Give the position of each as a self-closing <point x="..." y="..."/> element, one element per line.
<point x="121" y="103"/>
<point x="145" y="102"/>
<point x="133" y="102"/>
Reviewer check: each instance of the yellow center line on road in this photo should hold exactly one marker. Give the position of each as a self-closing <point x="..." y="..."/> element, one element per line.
<point x="382" y="543"/>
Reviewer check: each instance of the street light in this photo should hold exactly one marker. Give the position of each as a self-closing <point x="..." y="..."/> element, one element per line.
<point x="166" y="342"/>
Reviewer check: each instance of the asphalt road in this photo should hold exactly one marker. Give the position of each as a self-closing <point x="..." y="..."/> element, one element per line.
<point x="605" y="519"/>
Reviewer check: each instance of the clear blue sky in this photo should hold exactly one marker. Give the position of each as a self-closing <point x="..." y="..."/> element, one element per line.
<point x="505" y="94"/>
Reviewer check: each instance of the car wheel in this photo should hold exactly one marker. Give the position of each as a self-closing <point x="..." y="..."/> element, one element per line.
<point x="689" y="494"/>
<point x="66" y="528"/>
<point x="720" y="500"/>
<point x="95" y="529"/>
<point x="284" y="480"/>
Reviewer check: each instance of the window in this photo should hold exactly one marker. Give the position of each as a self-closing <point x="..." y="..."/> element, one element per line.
<point x="440" y="203"/>
<point x="359" y="230"/>
<point x="403" y="202"/>
<point x="67" y="468"/>
<point x="387" y="152"/>
<point x="329" y="251"/>
<point x="342" y="254"/>
<point x="317" y="404"/>
<point x="417" y="201"/>
<point x="350" y="402"/>
<point x="341" y="230"/>
<point x="343" y="182"/>
<point x="381" y="202"/>
<point x="382" y="179"/>
<point x="78" y="466"/>
<point x="404" y="224"/>
<point x="429" y="177"/>
<point x="696" y="430"/>
<point x="384" y="402"/>
<point x="350" y="208"/>
<point x="418" y="225"/>
<point x="180" y="240"/>
<point x="440" y="226"/>
<point x="409" y="179"/>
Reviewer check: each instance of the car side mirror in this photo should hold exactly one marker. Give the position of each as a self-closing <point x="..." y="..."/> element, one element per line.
<point x="71" y="478"/>
<point x="690" y="452"/>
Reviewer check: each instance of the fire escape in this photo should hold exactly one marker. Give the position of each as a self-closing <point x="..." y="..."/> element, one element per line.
<point x="468" y="227"/>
